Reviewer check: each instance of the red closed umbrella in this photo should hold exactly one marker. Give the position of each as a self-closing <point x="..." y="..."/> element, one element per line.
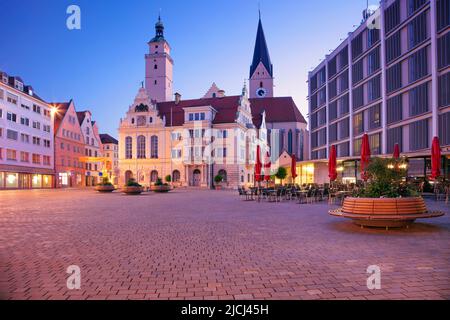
<point x="258" y="165"/>
<point x="332" y="165"/>
<point x="365" y="156"/>
<point x="435" y="159"/>
<point x="396" y="154"/>
<point x="294" y="167"/>
<point x="267" y="167"/>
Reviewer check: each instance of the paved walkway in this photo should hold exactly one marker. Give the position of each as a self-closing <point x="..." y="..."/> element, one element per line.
<point x="208" y="245"/>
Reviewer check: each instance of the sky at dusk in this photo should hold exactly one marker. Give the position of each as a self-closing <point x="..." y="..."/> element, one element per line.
<point x="101" y="66"/>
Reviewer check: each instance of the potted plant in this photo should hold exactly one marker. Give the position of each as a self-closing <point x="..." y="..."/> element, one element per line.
<point x="218" y="182"/>
<point x="105" y="186"/>
<point x="386" y="200"/>
<point x="160" y="187"/>
<point x="132" y="188"/>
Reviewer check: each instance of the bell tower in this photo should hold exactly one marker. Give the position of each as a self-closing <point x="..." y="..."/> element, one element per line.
<point x="159" y="67"/>
<point x="261" y="70"/>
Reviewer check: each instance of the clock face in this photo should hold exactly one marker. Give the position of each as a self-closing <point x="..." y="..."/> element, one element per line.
<point x="261" y="92"/>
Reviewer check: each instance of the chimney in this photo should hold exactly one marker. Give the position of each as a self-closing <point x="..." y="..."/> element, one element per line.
<point x="221" y="93"/>
<point x="177" y="98"/>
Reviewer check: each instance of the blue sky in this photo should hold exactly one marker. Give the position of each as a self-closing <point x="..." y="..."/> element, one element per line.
<point x="101" y="66"/>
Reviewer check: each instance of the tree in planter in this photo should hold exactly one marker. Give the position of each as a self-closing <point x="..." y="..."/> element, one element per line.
<point x="168" y="178"/>
<point x="281" y="174"/>
<point x="386" y="180"/>
<point x="105" y="182"/>
<point x="217" y="180"/>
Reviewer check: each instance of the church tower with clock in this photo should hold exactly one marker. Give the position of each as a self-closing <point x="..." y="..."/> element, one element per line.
<point x="261" y="70"/>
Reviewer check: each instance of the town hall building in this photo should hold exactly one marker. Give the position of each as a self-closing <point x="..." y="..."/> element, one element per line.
<point x="192" y="141"/>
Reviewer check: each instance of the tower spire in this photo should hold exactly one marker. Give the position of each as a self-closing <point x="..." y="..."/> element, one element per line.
<point x="261" y="53"/>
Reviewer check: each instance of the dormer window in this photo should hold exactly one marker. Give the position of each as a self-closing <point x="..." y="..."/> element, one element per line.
<point x="19" y="85"/>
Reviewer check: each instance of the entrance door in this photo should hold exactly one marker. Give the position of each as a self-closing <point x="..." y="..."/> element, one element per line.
<point x="197" y="178"/>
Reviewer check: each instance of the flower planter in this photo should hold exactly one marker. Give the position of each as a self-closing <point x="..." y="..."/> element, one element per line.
<point x="384" y="212"/>
<point x="105" y="189"/>
<point x="160" y="189"/>
<point x="132" y="190"/>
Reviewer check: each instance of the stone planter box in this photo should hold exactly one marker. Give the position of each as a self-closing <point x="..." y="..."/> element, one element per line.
<point x="384" y="212"/>
<point x="105" y="189"/>
<point x="160" y="189"/>
<point x="132" y="190"/>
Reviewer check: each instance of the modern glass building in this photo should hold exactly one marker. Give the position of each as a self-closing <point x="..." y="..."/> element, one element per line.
<point x="390" y="78"/>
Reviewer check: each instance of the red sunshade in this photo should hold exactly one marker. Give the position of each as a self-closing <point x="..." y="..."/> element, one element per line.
<point x="435" y="159"/>
<point x="332" y="167"/>
<point x="267" y="167"/>
<point x="258" y="165"/>
<point x="365" y="156"/>
<point x="396" y="155"/>
<point x="294" y="167"/>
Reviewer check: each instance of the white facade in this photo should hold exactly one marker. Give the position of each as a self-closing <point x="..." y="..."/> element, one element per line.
<point x="26" y="137"/>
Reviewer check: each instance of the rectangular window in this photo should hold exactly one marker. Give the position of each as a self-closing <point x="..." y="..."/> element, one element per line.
<point x="357" y="147"/>
<point x="392" y="16"/>
<point x="444" y="92"/>
<point x="25" y="138"/>
<point x="332" y="89"/>
<point x="36" y="108"/>
<point x="333" y="133"/>
<point x="415" y="5"/>
<point x="47" y="161"/>
<point x="11" y="117"/>
<point x="358" y="124"/>
<point x="357" y="72"/>
<point x="418" y="135"/>
<point x="343" y="58"/>
<point x="375" y="143"/>
<point x="343" y="150"/>
<point x="322" y="97"/>
<point x="393" y="47"/>
<point x="332" y="111"/>
<point x="374" y="89"/>
<point x="374" y="117"/>
<point x="373" y="35"/>
<point x="24" y="157"/>
<point x="418" y="100"/>
<point x="444" y="51"/>
<point x="11" y="98"/>
<point x="443" y="14"/>
<point x="12" y="135"/>
<point x="373" y="61"/>
<point x="36" y="125"/>
<point x="418" y="65"/>
<point x="314" y="120"/>
<point x="343" y="105"/>
<point x="394" y="136"/>
<point x="11" y="154"/>
<point x="25" y="121"/>
<point x="2" y="94"/>
<point x="357" y="46"/>
<point x="417" y="30"/>
<point x="37" y="141"/>
<point x="344" y="128"/>
<point x="444" y="129"/>
<point x="332" y="68"/>
<point x="395" y="109"/>
<point x="358" y="97"/>
<point x="394" y="77"/>
<point x="343" y="81"/>
<point x="322" y="115"/>
<point x="36" y="158"/>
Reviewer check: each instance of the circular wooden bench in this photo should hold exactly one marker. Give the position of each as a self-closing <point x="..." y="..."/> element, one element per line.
<point x="384" y="212"/>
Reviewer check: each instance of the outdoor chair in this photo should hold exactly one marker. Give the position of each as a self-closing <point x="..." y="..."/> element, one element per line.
<point x="245" y="194"/>
<point x="311" y="196"/>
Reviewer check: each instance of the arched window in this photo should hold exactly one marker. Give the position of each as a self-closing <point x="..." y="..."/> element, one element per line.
<point x="153" y="176"/>
<point x="214" y="95"/>
<point x="129" y="148"/>
<point x="223" y="174"/>
<point x="290" y="142"/>
<point x="176" y="176"/>
<point x="141" y="147"/>
<point x="154" y="147"/>
<point x="261" y="84"/>
<point x="156" y="66"/>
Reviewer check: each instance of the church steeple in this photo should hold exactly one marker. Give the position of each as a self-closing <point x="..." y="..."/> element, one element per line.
<point x="261" y="70"/>
<point x="261" y="53"/>
<point x="159" y="30"/>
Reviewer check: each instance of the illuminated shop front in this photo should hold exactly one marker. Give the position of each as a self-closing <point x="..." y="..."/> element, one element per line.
<point x="16" y="180"/>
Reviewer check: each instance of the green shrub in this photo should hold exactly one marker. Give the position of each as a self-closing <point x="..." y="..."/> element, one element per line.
<point x="169" y="178"/>
<point x="132" y="183"/>
<point x="105" y="182"/>
<point x="281" y="174"/>
<point x="218" y="179"/>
